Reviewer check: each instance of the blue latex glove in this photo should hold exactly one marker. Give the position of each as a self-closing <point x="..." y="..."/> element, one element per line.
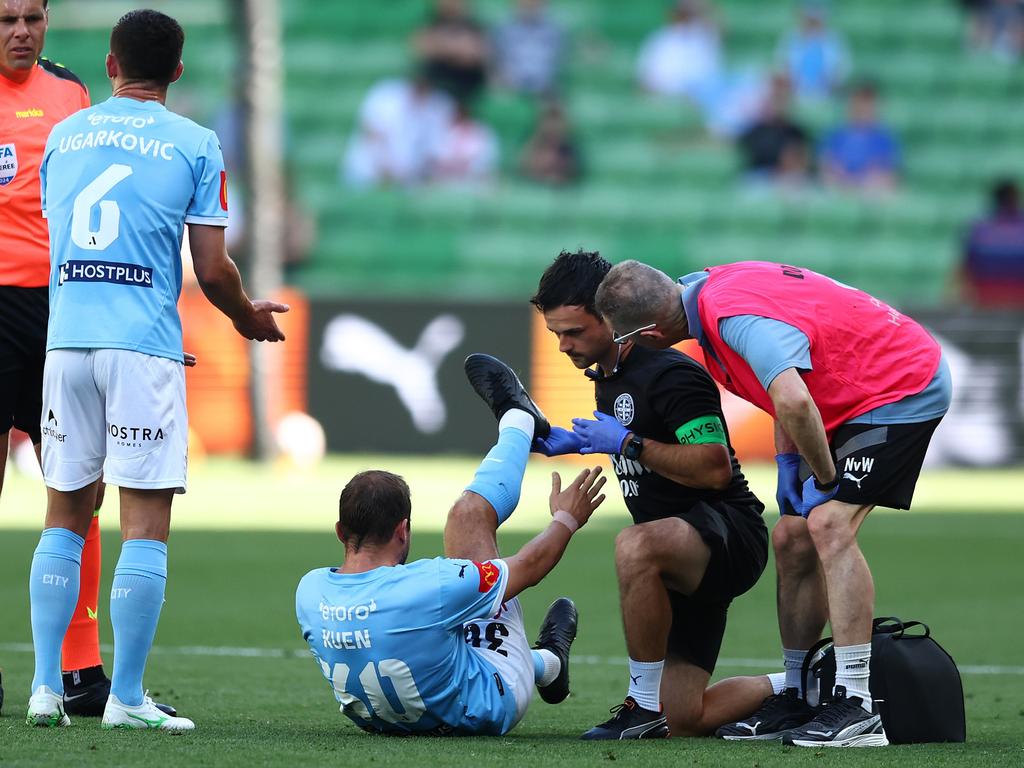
<point x="605" y="435"/>
<point x="812" y="497"/>
<point x="788" y="493"/>
<point x="558" y="443"/>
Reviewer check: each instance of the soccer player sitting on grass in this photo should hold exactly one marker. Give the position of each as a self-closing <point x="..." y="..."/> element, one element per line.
<point x="438" y="646"/>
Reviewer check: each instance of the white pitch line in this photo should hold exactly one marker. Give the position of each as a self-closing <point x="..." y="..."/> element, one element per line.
<point x="241" y="652"/>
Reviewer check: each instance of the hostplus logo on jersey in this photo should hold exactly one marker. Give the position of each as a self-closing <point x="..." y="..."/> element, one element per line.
<point x="134" y="437"/>
<point x="105" y="272"/>
<point x="8" y="164"/>
<point x="623" y="409"/>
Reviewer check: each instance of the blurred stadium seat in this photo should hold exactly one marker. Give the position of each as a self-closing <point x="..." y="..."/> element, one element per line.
<point x="654" y="188"/>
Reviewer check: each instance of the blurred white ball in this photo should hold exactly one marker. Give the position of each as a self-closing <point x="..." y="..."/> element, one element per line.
<point x="301" y="439"/>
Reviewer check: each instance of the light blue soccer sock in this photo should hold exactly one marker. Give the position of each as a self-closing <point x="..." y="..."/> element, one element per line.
<point x="53" y="593"/>
<point x="136" y="597"/>
<point x="500" y="476"/>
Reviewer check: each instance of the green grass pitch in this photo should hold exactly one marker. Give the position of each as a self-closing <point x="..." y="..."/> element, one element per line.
<point x="228" y="652"/>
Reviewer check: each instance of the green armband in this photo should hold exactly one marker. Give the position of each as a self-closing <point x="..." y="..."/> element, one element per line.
<point x="701" y="431"/>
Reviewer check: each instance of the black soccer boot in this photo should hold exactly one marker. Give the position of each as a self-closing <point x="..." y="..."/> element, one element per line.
<point x="778" y="713"/>
<point x="500" y="388"/>
<point x="556" y="635"/>
<point x="86" y="692"/>
<point x="1" y="693"/>
<point x="841" y="722"/>
<point x="630" y="721"/>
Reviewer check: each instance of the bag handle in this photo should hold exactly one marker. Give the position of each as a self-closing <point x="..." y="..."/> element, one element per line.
<point x="900" y="635"/>
<point x="806" y="668"/>
<point x="886" y="625"/>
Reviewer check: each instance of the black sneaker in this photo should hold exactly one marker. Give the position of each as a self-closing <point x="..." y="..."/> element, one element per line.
<point x="841" y="722"/>
<point x="630" y="721"/>
<point x="500" y="388"/>
<point x="778" y="713"/>
<point x="556" y="635"/>
<point x="86" y="692"/>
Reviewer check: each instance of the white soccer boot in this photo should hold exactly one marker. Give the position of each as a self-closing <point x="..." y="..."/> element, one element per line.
<point x="145" y="715"/>
<point x="46" y="709"/>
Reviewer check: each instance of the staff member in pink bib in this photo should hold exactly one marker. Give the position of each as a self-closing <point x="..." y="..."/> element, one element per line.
<point x="856" y="390"/>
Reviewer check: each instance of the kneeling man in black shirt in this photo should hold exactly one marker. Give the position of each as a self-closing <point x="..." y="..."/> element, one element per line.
<point x="698" y="540"/>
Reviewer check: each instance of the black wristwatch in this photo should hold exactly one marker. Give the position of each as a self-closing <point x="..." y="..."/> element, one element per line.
<point x="826" y="486"/>
<point x="634" y="448"/>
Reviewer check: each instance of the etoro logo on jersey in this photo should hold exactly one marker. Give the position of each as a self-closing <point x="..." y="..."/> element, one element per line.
<point x="623" y="408"/>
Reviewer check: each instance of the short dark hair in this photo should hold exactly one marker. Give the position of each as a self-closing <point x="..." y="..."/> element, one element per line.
<point x="371" y="505"/>
<point x="147" y="45"/>
<point x="572" y="280"/>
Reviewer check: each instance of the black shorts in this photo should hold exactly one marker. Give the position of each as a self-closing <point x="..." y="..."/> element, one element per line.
<point x="879" y="463"/>
<point x="23" y="317"/>
<point x="738" y="540"/>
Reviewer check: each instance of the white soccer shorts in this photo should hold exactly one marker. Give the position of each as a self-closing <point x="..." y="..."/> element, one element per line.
<point x="516" y="668"/>
<point x="115" y="413"/>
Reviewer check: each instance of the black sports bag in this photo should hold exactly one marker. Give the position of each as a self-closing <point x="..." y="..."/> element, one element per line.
<point x="914" y="682"/>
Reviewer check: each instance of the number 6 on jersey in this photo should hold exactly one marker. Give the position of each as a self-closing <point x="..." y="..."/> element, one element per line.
<point x="110" y="213"/>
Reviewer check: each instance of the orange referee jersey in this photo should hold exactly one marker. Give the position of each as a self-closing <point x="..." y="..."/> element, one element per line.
<point x="27" y="113"/>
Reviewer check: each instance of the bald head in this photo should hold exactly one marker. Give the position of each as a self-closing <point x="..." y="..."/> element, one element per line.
<point x="634" y="294"/>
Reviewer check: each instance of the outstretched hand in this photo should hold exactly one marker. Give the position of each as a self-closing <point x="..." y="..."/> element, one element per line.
<point x="605" y="435"/>
<point x="259" y="323"/>
<point x="581" y="498"/>
<point x="558" y="443"/>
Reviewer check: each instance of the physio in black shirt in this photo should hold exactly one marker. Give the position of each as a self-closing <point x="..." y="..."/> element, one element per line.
<point x="698" y="540"/>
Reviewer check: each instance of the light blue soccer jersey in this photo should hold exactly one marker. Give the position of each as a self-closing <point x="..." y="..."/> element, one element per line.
<point x="119" y="182"/>
<point x="391" y="643"/>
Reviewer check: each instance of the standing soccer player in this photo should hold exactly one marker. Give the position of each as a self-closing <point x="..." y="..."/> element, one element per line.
<point x="856" y="389"/>
<point x="119" y="182"/>
<point x="35" y="95"/>
<point x="698" y="540"/>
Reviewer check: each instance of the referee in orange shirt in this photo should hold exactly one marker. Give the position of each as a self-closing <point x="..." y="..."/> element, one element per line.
<point x="35" y="95"/>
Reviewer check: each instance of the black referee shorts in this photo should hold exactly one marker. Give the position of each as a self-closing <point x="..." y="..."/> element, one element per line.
<point x="23" y="317"/>
<point x="738" y="540"/>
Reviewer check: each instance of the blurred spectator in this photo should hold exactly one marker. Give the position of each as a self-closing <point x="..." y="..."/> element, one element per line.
<point x="863" y="153"/>
<point x="466" y="152"/>
<point x="453" y="50"/>
<point x="996" y="26"/>
<point x="400" y="121"/>
<point x="529" y="49"/>
<point x="814" y="55"/>
<point x="683" y="58"/>
<point x="993" y="267"/>
<point x="775" y="148"/>
<point x="551" y="155"/>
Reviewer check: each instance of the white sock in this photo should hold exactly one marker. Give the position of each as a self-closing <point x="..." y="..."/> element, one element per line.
<point x="853" y="671"/>
<point x="552" y="666"/>
<point x="516" y="418"/>
<point x="645" y="683"/>
<point x="778" y="682"/>
<point x="793" y="661"/>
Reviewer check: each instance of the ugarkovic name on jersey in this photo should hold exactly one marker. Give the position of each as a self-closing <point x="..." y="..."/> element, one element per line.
<point x="126" y="140"/>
